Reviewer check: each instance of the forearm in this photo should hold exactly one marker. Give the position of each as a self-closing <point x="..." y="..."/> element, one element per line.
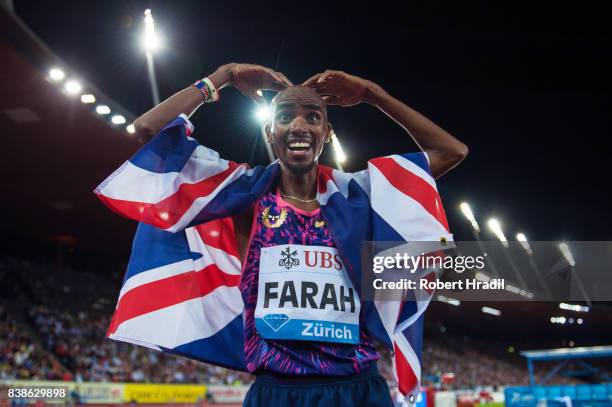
<point x="444" y="150"/>
<point x="185" y="102"/>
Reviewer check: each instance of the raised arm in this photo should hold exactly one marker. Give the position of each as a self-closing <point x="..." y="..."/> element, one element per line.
<point x="342" y="89"/>
<point x="247" y="78"/>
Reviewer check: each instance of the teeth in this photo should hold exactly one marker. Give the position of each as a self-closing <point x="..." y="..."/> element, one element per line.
<point x="299" y="145"/>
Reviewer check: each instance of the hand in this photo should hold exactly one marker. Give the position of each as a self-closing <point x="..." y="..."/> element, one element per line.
<point x="249" y="78"/>
<point x="340" y="88"/>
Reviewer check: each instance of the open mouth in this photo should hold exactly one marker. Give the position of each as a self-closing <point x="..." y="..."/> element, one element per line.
<point x="299" y="146"/>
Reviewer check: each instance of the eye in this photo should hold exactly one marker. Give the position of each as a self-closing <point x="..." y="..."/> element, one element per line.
<point x="283" y="117"/>
<point x="313" y="118"/>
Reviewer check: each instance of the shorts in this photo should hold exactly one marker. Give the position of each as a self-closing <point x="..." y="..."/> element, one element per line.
<point x="367" y="388"/>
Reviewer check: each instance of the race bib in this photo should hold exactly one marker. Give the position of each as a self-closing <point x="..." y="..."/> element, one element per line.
<point x="305" y="294"/>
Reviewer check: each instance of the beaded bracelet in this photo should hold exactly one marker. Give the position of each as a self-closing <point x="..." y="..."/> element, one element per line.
<point x="208" y="90"/>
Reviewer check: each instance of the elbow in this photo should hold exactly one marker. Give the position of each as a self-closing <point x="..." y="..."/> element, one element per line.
<point x="144" y="129"/>
<point x="443" y="161"/>
<point x="453" y="156"/>
<point x="460" y="153"/>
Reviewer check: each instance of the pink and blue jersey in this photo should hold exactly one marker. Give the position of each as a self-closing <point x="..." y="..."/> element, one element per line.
<point x="277" y="223"/>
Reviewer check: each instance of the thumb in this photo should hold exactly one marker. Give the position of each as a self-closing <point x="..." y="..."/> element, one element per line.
<point x="331" y="100"/>
<point x="310" y="82"/>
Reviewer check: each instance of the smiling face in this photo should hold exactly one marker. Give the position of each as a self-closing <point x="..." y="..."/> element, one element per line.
<point x="299" y="128"/>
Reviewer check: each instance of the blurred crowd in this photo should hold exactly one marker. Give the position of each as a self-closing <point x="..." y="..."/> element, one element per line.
<point x="21" y="358"/>
<point x="66" y="313"/>
<point x="79" y="343"/>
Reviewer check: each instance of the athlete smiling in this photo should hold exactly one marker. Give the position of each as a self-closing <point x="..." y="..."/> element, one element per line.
<point x="305" y="339"/>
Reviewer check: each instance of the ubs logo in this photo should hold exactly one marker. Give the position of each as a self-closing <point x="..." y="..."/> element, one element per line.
<point x="288" y="258"/>
<point x="322" y="259"/>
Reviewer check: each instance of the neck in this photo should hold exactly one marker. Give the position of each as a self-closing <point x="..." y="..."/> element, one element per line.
<point x="303" y="186"/>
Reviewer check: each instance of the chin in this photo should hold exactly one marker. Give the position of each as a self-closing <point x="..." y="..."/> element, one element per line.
<point x="300" y="168"/>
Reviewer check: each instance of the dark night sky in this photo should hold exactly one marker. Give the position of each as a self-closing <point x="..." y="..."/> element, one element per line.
<point x="526" y="87"/>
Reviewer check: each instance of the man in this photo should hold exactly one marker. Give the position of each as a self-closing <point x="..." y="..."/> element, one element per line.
<point x="307" y="336"/>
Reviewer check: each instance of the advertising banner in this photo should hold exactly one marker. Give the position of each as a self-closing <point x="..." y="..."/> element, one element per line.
<point x="163" y="393"/>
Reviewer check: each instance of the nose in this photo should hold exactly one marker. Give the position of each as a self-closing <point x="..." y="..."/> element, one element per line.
<point x="299" y="126"/>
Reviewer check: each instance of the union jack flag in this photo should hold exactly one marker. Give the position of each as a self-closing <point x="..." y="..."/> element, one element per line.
<point x="180" y="293"/>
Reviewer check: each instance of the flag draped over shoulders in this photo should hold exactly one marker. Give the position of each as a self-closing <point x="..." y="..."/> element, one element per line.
<point x="180" y="293"/>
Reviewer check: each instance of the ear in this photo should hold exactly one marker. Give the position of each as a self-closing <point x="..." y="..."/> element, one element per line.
<point x="267" y="128"/>
<point x="330" y="131"/>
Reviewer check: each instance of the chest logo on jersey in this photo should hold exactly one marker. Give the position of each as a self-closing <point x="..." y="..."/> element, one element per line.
<point x="273" y="221"/>
<point x="288" y="258"/>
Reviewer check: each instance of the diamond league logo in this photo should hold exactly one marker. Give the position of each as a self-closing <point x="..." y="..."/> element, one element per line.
<point x="276" y="321"/>
<point x="289" y="258"/>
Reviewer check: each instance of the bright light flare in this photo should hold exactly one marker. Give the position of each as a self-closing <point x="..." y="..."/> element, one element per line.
<point x="130" y="128"/>
<point x="565" y="250"/>
<point x="449" y="300"/>
<point x="469" y="215"/>
<point x="151" y="41"/>
<point x="118" y="119"/>
<point x="338" y="151"/>
<point x="495" y="227"/>
<point x="103" y="109"/>
<point x="491" y="311"/>
<point x="558" y="320"/>
<point x="56" y="74"/>
<point x="264" y="114"/>
<point x="73" y="87"/>
<point x="574" y="307"/>
<point x="522" y="239"/>
<point x="89" y="98"/>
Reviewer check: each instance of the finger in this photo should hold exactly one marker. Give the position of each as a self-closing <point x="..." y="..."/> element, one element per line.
<point x="331" y="100"/>
<point x="310" y="82"/>
<point x="284" y="78"/>
<point x="277" y="82"/>
<point x="327" y="76"/>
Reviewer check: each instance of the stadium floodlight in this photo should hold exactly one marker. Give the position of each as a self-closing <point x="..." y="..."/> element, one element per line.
<point x="574" y="307"/>
<point x="338" y="151"/>
<point x="495" y="227"/>
<point x="523" y="241"/>
<point x="56" y="74"/>
<point x="130" y="128"/>
<point x="259" y="92"/>
<point x="118" y="119"/>
<point x="151" y="40"/>
<point x="88" y="98"/>
<point x="264" y="114"/>
<point x="451" y="301"/>
<point x="491" y="311"/>
<point x="567" y="253"/>
<point x="558" y="320"/>
<point x="73" y="87"/>
<point x="103" y="109"/>
<point x="469" y="215"/>
<point x="151" y="43"/>
<point x="579" y="321"/>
